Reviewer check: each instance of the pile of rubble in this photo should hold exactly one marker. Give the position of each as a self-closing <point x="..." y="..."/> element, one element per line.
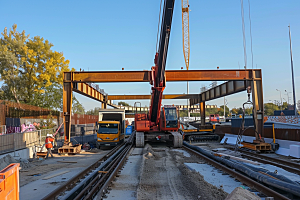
<point x="8" y="159"/>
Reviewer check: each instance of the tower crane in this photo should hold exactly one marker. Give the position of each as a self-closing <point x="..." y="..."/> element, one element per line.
<point x="185" y="31"/>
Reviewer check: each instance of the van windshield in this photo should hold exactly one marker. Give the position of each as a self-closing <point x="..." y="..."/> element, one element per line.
<point x="108" y="128"/>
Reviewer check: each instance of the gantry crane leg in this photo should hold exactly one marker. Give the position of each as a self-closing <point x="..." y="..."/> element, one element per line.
<point x="67" y="105"/>
<point x="258" y="104"/>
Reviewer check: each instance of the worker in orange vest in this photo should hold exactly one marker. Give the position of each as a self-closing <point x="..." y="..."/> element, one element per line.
<point x="48" y="144"/>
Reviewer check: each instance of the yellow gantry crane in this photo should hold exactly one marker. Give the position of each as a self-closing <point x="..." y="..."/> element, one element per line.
<point x="185" y="31"/>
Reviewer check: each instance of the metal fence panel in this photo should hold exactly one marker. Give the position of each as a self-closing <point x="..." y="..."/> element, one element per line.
<point x="16" y="141"/>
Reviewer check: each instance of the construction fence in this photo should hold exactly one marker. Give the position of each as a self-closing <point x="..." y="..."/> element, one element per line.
<point x="17" y="141"/>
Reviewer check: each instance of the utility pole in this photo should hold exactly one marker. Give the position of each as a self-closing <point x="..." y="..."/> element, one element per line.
<point x="224" y="110"/>
<point x="280" y="100"/>
<point x="293" y="82"/>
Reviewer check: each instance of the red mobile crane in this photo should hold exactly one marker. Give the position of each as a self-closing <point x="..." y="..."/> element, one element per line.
<point x="161" y="123"/>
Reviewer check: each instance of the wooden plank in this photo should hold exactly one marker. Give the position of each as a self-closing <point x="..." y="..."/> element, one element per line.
<point x="60" y="173"/>
<point x="67" y="161"/>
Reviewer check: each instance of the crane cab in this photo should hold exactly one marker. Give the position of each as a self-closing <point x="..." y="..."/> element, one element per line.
<point x="169" y="119"/>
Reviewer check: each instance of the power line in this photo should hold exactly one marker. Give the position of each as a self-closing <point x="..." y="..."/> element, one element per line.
<point x="158" y="24"/>
<point x="250" y="33"/>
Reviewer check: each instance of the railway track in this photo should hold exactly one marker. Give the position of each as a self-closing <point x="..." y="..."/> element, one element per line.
<point x="253" y="184"/>
<point x="94" y="180"/>
<point x="284" y="164"/>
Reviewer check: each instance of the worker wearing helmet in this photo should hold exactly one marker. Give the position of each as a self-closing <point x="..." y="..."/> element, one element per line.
<point x="48" y="144"/>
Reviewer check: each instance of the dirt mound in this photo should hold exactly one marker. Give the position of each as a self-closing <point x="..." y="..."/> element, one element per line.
<point x="242" y="194"/>
<point x="8" y="159"/>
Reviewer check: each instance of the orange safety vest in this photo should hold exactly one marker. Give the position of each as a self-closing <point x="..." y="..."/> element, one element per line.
<point x="48" y="143"/>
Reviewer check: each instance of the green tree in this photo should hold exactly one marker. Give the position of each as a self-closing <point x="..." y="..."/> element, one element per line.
<point x="122" y="103"/>
<point x="284" y="105"/>
<point x="221" y="110"/>
<point x="77" y="107"/>
<point x="94" y="111"/>
<point x="248" y="111"/>
<point x="269" y="108"/>
<point x="209" y="111"/>
<point x="30" y="69"/>
<point x="183" y="113"/>
<point x="12" y="48"/>
<point x="234" y="111"/>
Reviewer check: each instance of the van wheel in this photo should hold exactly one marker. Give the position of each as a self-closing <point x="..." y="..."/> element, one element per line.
<point x="97" y="145"/>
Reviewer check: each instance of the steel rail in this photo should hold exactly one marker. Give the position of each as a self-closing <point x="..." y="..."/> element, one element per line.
<point x="284" y="164"/>
<point x="242" y="178"/>
<point x="281" y="161"/>
<point x="111" y="170"/>
<point x="75" y="179"/>
<point x="89" y="188"/>
<point x="104" y="178"/>
<point x="102" y="184"/>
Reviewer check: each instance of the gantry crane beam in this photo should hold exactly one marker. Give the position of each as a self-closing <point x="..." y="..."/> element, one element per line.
<point x="225" y="89"/>
<point x="171" y="75"/>
<point x="141" y="97"/>
<point x="88" y="91"/>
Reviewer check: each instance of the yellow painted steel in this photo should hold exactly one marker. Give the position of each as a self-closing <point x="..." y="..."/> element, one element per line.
<point x="195" y="130"/>
<point x="273" y="134"/>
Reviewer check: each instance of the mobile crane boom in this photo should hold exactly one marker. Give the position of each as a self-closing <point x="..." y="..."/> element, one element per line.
<point x="158" y="71"/>
<point x="161" y="123"/>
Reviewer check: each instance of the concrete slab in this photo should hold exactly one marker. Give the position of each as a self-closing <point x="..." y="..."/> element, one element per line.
<point x="137" y="151"/>
<point x="295" y="151"/>
<point x="186" y="154"/>
<point x="40" y="188"/>
<point x="214" y="177"/>
<point x="34" y="187"/>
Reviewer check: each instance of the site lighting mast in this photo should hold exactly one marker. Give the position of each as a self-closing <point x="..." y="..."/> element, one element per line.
<point x="280" y="100"/>
<point x="292" y="67"/>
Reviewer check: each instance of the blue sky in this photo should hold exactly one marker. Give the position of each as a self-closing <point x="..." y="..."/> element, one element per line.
<point x="111" y="35"/>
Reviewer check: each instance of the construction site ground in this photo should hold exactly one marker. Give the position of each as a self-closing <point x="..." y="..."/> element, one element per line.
<point x="153" y="172"/>
<point x="160" y="172"/>
<point x="41" y="177"/>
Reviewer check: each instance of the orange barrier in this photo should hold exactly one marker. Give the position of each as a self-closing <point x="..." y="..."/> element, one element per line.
<point x="9" y="182"/>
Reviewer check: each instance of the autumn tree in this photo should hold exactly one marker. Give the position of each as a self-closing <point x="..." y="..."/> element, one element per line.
<point x="31" y="71"/>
